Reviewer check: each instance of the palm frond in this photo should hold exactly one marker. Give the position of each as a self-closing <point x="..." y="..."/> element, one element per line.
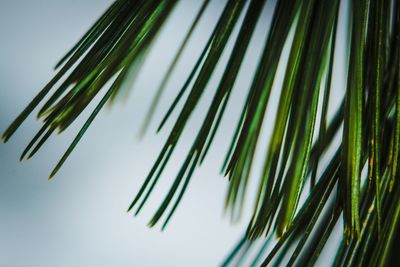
<point x="359" y="183"/>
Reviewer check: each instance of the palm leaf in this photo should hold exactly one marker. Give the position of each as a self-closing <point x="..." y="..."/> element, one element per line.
<point x="358" y="182"/>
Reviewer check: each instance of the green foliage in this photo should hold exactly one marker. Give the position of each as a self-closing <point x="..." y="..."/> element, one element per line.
<point x="116" y="45"/>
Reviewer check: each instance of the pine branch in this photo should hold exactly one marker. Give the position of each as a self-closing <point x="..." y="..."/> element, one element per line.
<point x="368" y="120"/>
